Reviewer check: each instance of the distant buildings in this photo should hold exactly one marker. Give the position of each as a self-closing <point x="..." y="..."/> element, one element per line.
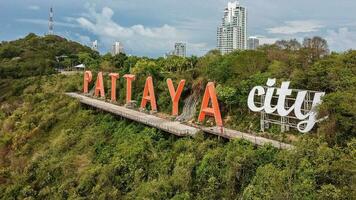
<point x="253" y="43"/>
<point x="117" y="48"/>
<point x="94" y="45"/>
<point x="232" y="32"/>
<point x="180" y="49"/>
<point x="79" y="67"/>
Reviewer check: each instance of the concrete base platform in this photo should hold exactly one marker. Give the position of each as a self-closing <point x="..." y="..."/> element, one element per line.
<point x="173" y="127"/>
<point x="231" y="134"/>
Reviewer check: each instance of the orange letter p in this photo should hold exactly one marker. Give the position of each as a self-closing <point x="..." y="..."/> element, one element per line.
<point x="87" y="79"/>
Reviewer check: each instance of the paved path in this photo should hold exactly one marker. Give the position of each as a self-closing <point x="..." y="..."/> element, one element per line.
<point x="173" y="127"/>
<point x="231" y="134"/>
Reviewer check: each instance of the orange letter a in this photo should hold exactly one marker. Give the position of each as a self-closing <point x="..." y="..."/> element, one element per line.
<point x="99" y="86"/>
<point x="175" y="95"/>
<point x="149" y="95"/>
<point x="214" y="110"/>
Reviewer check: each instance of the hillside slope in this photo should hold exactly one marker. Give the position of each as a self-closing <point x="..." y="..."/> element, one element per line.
<point x="53" y="148"/>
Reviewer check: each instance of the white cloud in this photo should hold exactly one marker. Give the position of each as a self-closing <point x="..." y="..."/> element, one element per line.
<point x="136" y="38"/>
<point x="33" y="7"/>
<point x="341" y="39"/>
<point x="266" y="40"/>
<point x="196" y="24"/>
<point x="83" y="39"/>
<point x="45" y="22"/>
<point x="293" y="27"/>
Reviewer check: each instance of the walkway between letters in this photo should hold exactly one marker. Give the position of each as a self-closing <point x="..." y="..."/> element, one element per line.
<point x="173" y="127"/>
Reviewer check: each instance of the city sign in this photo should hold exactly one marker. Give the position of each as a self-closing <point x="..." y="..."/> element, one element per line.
<point x="307" y="118"/>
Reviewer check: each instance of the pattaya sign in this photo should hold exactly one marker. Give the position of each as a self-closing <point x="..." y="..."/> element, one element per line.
<point x="307" y="122"/>
<point x="149" y="94"/>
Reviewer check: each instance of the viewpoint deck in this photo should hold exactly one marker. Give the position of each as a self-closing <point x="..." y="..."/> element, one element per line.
<point x="173" y="127"/>
<point x="231" y="134"/>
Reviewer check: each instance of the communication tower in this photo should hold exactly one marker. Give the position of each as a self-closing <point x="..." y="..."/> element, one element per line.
<point x="50" y="22"/>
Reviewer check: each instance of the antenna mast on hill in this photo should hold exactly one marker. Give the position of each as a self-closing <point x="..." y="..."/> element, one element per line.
<point x="50" y="22"/>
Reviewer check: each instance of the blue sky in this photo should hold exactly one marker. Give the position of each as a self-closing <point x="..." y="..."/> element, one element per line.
<point x="151" y="27"/>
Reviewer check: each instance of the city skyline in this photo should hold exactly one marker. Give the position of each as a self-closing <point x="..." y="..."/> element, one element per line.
<point x="154" y="31"/>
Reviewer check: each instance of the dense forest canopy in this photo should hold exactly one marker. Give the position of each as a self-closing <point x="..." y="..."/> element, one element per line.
<point x="51" y="147"/>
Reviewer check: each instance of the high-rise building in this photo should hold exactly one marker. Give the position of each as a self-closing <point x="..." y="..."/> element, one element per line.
<point x="253" y="43"/>
<point x="232" y="32"/>
<point x="94" y="45"/>
<point x="117" y="48"/>
<point x="50" y="22"/>
<point x="180" y="49"/>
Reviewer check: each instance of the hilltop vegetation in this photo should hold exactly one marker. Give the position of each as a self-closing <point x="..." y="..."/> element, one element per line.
<point x="51" y="147"/>
<point x="36" y="55"/>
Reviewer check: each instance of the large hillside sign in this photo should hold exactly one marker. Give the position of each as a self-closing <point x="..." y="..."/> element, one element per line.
<point x="288" y="104"/>
<point x="267" y="100"/>
<point x="149" y="94"/>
